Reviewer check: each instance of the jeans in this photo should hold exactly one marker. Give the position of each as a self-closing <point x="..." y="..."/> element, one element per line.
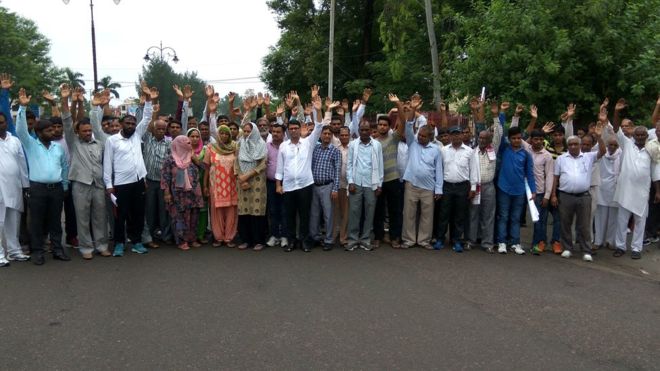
<point x="509" y="208"/>
<point x="540" y="227"/>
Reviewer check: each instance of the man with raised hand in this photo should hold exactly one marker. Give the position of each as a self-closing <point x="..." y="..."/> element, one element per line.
<point x="48" y="182"/>
<point x="637" y="174"/>
<point x="124" y="172"/>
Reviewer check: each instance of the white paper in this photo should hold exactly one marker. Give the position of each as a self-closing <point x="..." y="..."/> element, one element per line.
<point x="533" y="211"/>
<point x="113" y="198"/>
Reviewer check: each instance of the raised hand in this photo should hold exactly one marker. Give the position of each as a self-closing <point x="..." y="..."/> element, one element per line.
<point x="280" y="109"/>
<point x="393" y="98"/>
<point x="570" y="110"/>
<point x="294" y="111"/>
<point x="603" y="106"/>
<point x="548" y="127"/>
<point x="294" y="96"/>
<point x="332" y="105"/>
<point x="315" y="91"/>
<point x="602" y="116"/>
<point x="316" y="103"/>
<point x="494" y="109"/>
<point x="366" y="94"/>
<point x="288" y="100"/>
<point x="519" y="109"/>
<point x="5" y="81"/>
<point x="81" y="94"/>
<point x="48" y="97"/>
<point x="209" y="91"/>
<point x="23" y="98"/>
<point x="154" y="93"/>
<point x="474" y="103"/>
<point x="505" y="106"/>
<point x="187" y="92"/>
<point x="212" y="105"/>
<point x="356" y="105"/>
<point x="65" y="91"/>
<point x="144" y="87"/>
<point x="267" y="99"/>
<point x="260" y="99"/>
<point x="328" y="102"/>
<point x="620" y="104"/>
<point x="178" y="91"/>
<point x="598" y="130"/>
<point x="344" y="104"/>
<point x="97" y="99"/>
<point x="308" y="109"/>
<point x="247" y="103"/>
<point x="416" y="101"/>
<point x="533" y="111"/>
<point x="231" y="96"/>
<point x="143" y="98"/>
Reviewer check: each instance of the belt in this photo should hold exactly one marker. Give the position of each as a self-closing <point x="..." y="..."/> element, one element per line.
<point x="320" y="184"/>
<point x="46" y="185"/>
<point x="581" y="194"/>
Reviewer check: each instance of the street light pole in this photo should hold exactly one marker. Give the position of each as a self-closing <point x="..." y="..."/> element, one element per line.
<point x="156" y="52"/>
<point x="331" y="49"/>
<point x="91" y="10"/>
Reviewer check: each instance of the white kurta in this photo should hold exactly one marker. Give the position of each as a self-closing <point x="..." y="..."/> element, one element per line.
<point x="13" y="173"/>
<point x="610" y="166"/>
<point x="634" y="184"/>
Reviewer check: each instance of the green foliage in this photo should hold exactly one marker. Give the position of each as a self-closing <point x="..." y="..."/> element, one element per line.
<point x="160" y="74"/>
<point x="550" y="53"/>
<point x="24" y="54"/>
<point x="72" y="78"/>
<point x="106" y="83"/>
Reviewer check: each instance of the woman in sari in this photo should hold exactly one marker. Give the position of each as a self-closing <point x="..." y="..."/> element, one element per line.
<point x="183" y="195"/>
<point x="199" y="150"/>
<point x="251" y="177"/>
<point x="220" y="187"/>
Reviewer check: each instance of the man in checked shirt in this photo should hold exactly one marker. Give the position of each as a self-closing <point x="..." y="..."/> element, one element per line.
<point x="326" y="166"/>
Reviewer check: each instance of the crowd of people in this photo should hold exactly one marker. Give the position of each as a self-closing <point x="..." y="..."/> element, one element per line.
<point x="319" y="174"/>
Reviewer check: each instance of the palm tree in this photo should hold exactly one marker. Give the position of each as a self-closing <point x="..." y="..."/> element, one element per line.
<point x="74" y="79"/>
<point x="106" y="83"/>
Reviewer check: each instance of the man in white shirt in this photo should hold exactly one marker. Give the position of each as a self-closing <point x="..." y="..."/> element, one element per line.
<point x="460" y="178"/>
<point x="294" y="178"/>
<point x="13" y="179"/>
<point x="364" y="174"/>
<point x="572" y="181"/>
<point x="124" y="175"/>
<point x="637" y="174"/>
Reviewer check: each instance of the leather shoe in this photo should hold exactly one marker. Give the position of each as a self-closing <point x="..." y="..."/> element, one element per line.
<point x="289" y="248"/>
<point x="38" y="259"/>
<point x="307" y="247"/>
<point x="61" y="256"/>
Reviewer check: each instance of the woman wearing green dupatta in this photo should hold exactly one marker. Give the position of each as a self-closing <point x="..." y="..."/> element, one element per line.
<point x="220" y="187"/>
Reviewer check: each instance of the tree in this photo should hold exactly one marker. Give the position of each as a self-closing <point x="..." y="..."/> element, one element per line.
<point x="106" y="83"/>
<point x="74" y="79"/>
<point x="550" y="53"/>
<point x="160" y="74"/>
<point x="24" y="54"/>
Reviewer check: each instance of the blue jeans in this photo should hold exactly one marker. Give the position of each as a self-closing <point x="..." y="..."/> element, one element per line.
<point x="541" y="227"/>
<point x="276" y="213"/>
<point x="509" y="208"/>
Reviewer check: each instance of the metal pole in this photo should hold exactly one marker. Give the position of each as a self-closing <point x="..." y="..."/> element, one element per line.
<point x="161" y="50"/>
<point x="434" y="54"/>
<point x="331" y="57"/>
<point x="96" y="79"/>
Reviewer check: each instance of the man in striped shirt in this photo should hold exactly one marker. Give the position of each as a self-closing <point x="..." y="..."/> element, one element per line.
<point x="326" y="166"/>
<point x="156" y="149"/>
<point x="391" y="191"/>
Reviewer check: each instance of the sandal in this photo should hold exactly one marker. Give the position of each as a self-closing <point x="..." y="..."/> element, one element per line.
<point x="216" y="243"/>
<point x="195" y="244"/>
<point x="258" y="247"/>
<point x="231" y="244"/>
<point x="203" y="241"/>
<point x="184" y="246"/>
<point x="618" y="253"/>
<point x="243" y="246"/>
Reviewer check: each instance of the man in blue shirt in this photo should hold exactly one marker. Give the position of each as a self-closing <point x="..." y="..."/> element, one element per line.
<point x="48" y="182"/>
<point x="517" y="164"/>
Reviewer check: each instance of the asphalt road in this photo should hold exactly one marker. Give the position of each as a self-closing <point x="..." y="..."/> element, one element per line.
<point x="386" y="309"/>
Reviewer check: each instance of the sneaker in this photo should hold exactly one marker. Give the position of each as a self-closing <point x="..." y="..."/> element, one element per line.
<point x="138" y="248"/>
<point x="272" y="241"/>
<point x="20" y="257"/>
<point x="284" y="242"/>
<point x="119" y="250"/>
<point x="427" y="246"/>
<point x="350" y="247"/>
<point x="407" y="245"/>
<point x="587" y="257"/>
<point x="566" y="254"/>
<point x="468" y="246"/>
<point x="650" y="240"/>
<point x="458" y="247"/>
<point x="636" y="255"/>
<point x="518" y="249"/>
<point x="489" y="249"/>
<point x="541" y="246"/>
<point x="536" y="250"/>
<point x="4" y="262"/>
<point x="556" y="247"/>
<point x="438" y="245"/>
<point x="501" y="248"/>
<point x="366" y="247"/>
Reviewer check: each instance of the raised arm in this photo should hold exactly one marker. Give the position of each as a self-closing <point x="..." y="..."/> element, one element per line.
<point x="21" y="120"/>
<point x="598" y="133"/>
<point x="616" y="120"/>
<point x="67" y="120"/>
<point x="149" y="94"/>
<point x="567" y="120"/>
<point x="50" y="98"/>
<point x="5" y="103"/>
<point x="401" y="124"/>
<point x="656" y="113"/>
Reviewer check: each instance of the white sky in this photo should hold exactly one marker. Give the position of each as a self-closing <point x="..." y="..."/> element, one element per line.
<point x="220" y="39"/>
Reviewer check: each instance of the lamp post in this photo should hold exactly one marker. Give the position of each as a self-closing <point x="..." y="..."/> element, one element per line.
<point x="160" y="52"/>
<point x="91" y="9"/>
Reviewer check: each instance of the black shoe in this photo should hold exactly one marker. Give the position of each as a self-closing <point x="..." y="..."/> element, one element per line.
<point x="328" y="247"/>
<point x="38" y="259"/>
<point x="307" y="247"/>
<point x="61" y="256"/>
<point x="289" y="248"/>
<point x="636" y="255"/>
